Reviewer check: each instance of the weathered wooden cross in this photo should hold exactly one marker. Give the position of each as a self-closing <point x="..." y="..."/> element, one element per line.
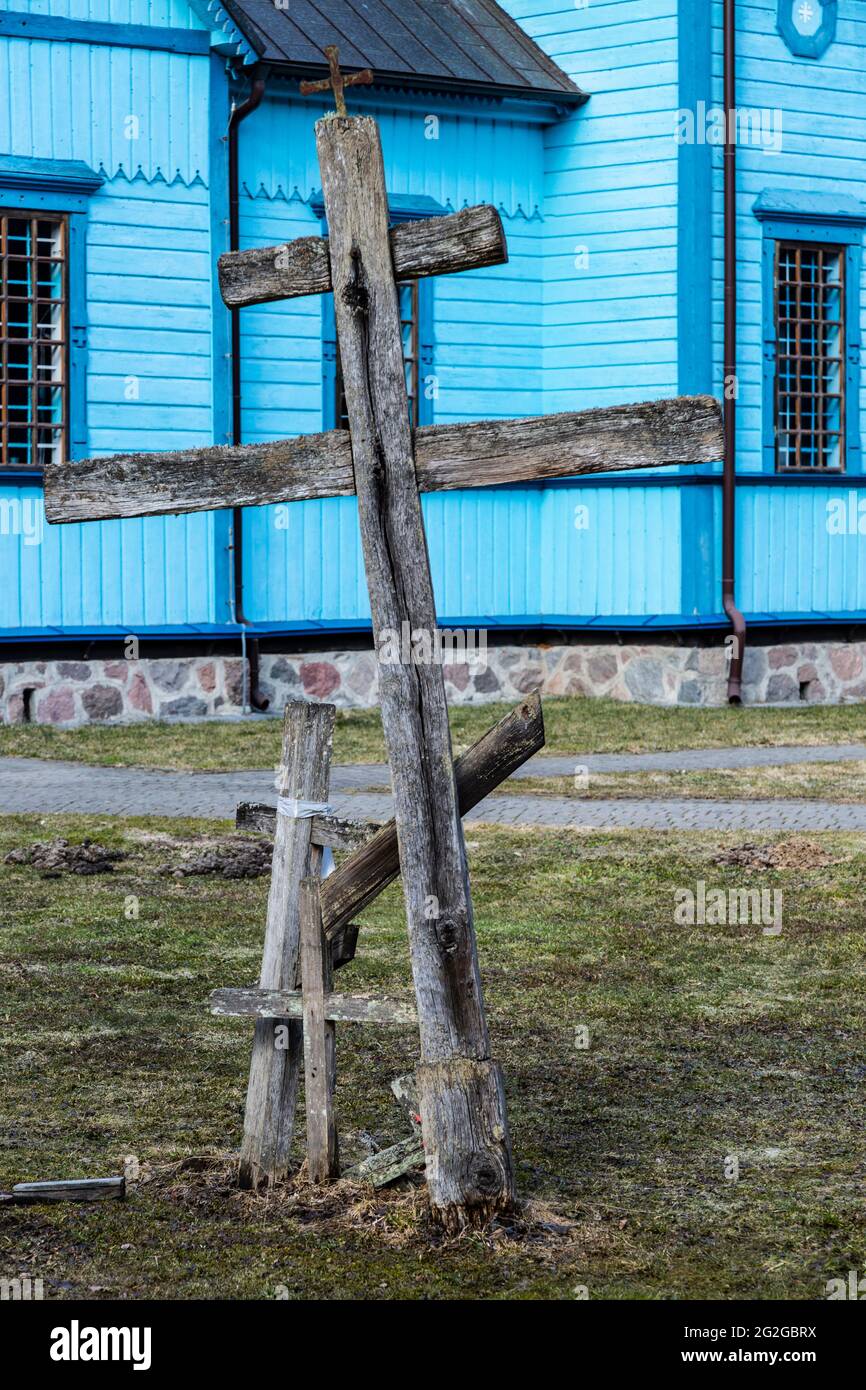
<point x="386" y="464"/>
<point x="311" y="924"/>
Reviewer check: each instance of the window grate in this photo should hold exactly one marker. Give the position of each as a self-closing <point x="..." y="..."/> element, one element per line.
<point x="408" y="295"/>
<point x="33" y="339"/>
<point x="407" y="292"/>
<point x="810" y="357"/>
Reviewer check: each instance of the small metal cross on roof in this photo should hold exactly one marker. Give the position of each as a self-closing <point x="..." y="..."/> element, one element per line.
<point x="337" y="80"/>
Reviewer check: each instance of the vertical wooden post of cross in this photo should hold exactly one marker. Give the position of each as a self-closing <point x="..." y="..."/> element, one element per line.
<point x="469" y="1170"/>
<point x="272" y="1093"/>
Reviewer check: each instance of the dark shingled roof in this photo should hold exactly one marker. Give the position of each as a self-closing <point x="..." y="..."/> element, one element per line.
<point x="440" y="45"/>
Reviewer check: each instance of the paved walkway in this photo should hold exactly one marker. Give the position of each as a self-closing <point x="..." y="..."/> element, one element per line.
<point x="692" y="759"/>
<point x="366" y="775"/>
<point x="34" y="785"/>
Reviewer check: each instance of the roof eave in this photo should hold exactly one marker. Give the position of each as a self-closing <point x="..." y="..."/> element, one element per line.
<point x="562" y="98"/>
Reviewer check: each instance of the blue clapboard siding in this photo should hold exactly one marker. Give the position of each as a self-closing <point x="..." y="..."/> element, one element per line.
<point x="788" y="561"/>
<point x="90" y="98"/>
<point x="134" y="574"/>
<point x="602" y="301"/>
<point x="496" y="557"/>
<point x="149" y="290"/>
<point x="500" y="556"/>
<point x="610" y="202"/>
<point x="823" y="111"/>
<point x="149" y="318"/>
<point x="304" y="564"/>
<point x="580" y="573"/>
<point x="149" y="285"/>
<point x="474" y="155"/>
<point x="281" y="361"/>
<point x="483" y="552"/>
<point x="164" y="14"/>
<point x="149" y="298"/>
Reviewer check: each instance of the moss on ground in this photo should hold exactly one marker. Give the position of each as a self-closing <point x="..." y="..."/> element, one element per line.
<point x="704" y="1042"/>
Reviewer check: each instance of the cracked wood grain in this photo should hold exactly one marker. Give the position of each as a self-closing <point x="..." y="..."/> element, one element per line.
<point x="451" y="1020"/>
<point x="467" y="240"/>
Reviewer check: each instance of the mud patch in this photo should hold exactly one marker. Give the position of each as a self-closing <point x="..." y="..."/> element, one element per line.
<point x="787" y="854"/>
<point x="56" y="857"/>
<point x="233" y="857"/>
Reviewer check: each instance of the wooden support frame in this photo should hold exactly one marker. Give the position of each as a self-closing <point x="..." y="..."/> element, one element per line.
<point x="320" y="1043"/>
<point x="376" y="862"/>
<point x="373" y="865"/>
<point x="275" y="1069"/>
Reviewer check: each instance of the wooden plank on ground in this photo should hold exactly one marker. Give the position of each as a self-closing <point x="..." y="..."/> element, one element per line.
<point x="73" y="1190"/>
<point x="389" y="1164"/>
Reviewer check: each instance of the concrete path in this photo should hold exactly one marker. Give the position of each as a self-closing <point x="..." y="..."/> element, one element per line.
<point x="692" y="759"/>
<point x="34" y="785"/>
<point x="366" y="775"/>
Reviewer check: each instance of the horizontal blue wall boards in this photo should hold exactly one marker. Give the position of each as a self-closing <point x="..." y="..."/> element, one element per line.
<point x="608" y="177"/>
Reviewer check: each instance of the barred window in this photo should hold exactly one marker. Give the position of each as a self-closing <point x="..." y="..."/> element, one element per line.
<point x="810" y="370"/>
<point x="34" y="407"/>
<point x="407" y="292"/>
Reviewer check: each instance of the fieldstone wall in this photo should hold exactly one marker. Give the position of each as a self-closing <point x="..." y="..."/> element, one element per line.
<point x="97" y="691"/>
<point x="81" y="692"/>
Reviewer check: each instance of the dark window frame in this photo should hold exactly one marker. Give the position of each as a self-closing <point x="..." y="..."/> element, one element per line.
<point x="411" y="362"/>
<point x="801" y="397"/>
<point x="35" y="387"/>
<point x="401" y="208"/>
<point x="827" y="219"/>
<point x="53" y="188"/>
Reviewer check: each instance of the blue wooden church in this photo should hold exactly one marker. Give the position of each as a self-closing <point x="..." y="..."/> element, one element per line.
<point x="684" y="196"/>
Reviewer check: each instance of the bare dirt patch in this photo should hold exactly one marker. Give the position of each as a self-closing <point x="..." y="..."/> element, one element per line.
<point x="56" y="857"/>
<point x="787" y="854"/>
<point x="230" y="857"/>
<point x="399" y="1216"/>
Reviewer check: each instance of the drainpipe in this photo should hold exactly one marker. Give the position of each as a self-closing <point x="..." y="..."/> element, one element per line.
<point x="729" y="479"/>
<point x="249" y="646"/>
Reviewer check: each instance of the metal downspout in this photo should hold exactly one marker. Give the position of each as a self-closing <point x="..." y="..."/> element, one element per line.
<point x="249" y="646"/>
<point x="729" y="479"/>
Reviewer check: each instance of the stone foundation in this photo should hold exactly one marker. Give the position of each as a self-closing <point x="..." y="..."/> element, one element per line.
<point x="81" y="692"/>
<point x="118" y="691"/>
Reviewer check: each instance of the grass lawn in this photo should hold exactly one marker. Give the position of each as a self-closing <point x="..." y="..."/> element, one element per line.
<point x="572" y="726"/>
<point x="813" y="781"/>
<point x="705" y="1042"/>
